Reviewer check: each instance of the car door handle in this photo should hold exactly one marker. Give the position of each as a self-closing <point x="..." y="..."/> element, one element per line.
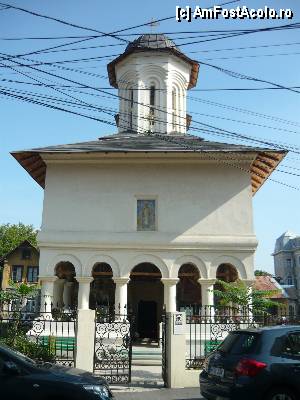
<point x="36" y="385"/>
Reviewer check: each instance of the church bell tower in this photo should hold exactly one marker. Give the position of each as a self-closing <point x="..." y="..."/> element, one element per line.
<point x="152" y="77"/>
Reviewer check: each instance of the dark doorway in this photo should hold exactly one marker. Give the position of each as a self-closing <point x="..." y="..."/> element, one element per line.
<point x="147" y="320"/>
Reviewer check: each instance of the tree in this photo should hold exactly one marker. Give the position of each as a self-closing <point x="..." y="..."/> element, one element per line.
<point x="238" y="294"/>
<point x="11" y="235"/>
<point x="260" y="272"/>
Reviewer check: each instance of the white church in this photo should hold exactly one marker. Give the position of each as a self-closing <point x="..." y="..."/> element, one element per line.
<point x="151" y="215"/>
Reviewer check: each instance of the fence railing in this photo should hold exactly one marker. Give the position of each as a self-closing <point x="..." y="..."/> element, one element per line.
<point x="209" y="327"/>
<point x="44" y="333"/>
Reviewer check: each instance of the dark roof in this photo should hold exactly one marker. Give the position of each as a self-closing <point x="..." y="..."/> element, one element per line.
<point x="152" y="41"/>
<point x="25" y="243"/>
<point x="149" y="42"/>
<point x="265" y="162"/>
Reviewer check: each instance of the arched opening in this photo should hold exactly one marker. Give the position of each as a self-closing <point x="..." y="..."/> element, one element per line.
<point x="188" y="289"/>
<point x="65" y="291"/>
<point x="226" y="273"/>
<point x="145" y="297"/>
<point x="102" y="292"/>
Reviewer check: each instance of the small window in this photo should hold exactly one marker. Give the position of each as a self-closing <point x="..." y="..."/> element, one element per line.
<point x="291" y="311"/>
<point x="289" y="280"/>
<point x="32" y="274"/>
<point x="292" y="344"/>
<point x="289" y="263"/>
<point x="16" y="273"/>
<point x="174" y="108"/>
<point x="152" y="110"/>
<point x="146" y="215"/>
<point x="26" y="254"/>
<point x="131" y="109"/>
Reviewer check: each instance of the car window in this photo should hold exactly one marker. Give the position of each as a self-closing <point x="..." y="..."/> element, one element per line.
<point x="239" y="343"/>
<point x="292" y="344"/>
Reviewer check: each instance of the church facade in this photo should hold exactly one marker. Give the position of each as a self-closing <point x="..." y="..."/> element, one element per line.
<point x="151" y="215"/>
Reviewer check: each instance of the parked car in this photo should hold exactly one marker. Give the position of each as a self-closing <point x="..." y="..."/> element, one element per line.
<point x="23" y="378"/>
<point x="260" y="364"/>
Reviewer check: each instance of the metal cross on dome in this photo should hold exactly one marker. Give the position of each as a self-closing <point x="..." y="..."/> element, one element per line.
<point x="153" y="24"/>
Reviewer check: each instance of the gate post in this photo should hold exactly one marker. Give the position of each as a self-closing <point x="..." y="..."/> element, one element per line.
<point x="85" y="338"/>
<point x="176" y="349"/>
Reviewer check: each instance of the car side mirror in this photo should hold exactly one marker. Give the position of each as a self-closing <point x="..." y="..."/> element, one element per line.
<point x="11" y="368"/>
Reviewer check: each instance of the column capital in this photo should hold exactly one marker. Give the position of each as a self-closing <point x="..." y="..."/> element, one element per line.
<point x="121" y="280"/>
<point x="170" y="281"/>
<point x="207" y="282"/>
<point x="84" y="279"/>
<point x="49" y="279"/>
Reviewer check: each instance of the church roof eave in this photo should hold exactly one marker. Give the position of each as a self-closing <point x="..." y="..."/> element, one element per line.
<point x="264" y="163"/>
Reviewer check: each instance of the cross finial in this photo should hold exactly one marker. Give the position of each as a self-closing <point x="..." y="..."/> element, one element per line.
<point x="153" y="24"/>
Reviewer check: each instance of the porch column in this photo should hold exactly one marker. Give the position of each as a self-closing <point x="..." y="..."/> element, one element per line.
<point x="58" y="290"/>
<point x="67" y="295"/>
<point x="47" y="283"/>
<point x="170" y="293"/>
<point x="84" y="292"/>
<point x="121" y="295"/>
<point x="207" y="286"/>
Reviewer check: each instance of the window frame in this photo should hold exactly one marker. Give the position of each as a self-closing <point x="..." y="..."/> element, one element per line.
<point x="12" y="273"/>
<point x="32" y="267"/>
<point x="29" y="251"/>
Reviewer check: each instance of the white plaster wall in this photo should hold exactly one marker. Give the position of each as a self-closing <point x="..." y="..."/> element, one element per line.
<point x="191" y="199"/>
<point x="204" y="217"/>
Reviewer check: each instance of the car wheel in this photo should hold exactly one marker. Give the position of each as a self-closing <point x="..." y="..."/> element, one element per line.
<point x="281" y="394"/>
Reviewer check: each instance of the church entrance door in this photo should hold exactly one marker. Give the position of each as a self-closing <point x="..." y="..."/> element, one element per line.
<point x="147" y="319"/>
<point x="145" y="299"/>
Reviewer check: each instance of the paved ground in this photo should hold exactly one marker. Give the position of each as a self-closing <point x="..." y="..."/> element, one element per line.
<point x="160" y="394"/>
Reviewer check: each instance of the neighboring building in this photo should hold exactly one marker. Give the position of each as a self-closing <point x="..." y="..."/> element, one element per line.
<point x="150" y="215"/>
<point x="286" y="305"/>
<point x="20" y="265"/>
<point x="287" y="264"/>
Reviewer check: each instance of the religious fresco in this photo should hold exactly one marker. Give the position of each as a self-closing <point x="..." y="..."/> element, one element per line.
<point x="146" y="215"/>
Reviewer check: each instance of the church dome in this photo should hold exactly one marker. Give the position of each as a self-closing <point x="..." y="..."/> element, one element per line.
<point x="157" y="42"/>
<point x="152" y="41"/>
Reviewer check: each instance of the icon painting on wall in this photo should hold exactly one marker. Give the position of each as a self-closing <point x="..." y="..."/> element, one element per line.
<point x="146" y="215"/>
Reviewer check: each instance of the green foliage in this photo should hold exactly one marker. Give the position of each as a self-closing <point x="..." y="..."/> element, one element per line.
<point x="11" y="235"/>
<point x="18" y="292"/>
<point x="30" y="348"/>
<point x="237" y="293"/>
<point x="260" y="272"/>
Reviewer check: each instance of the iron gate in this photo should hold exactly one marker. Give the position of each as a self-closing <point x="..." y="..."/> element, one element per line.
<point x="164" y="349"/>
<point x="113" y="346"/>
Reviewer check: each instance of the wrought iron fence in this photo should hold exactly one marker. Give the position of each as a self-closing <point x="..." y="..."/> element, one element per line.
<point x="113" y="345"/>
<point x="209" y="327"/>
<point x="44" y="333"/>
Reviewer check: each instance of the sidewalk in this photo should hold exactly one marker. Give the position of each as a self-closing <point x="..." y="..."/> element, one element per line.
<point x="160" y="394"/>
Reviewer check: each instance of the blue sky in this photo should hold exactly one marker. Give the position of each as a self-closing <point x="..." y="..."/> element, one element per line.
<point x="276" y="207"/>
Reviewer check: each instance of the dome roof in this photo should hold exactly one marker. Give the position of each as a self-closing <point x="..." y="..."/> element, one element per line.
<point x="152" y="41"/>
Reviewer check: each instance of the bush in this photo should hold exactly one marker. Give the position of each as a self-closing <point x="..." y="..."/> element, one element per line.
<point x="29" y="348"/>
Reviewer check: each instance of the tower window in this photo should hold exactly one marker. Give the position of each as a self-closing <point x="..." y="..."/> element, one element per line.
<point x="151" y="111"/>
<point x="289" y="263"/>
<point x="174" y="108"/>
<point x="131" y="108"/>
